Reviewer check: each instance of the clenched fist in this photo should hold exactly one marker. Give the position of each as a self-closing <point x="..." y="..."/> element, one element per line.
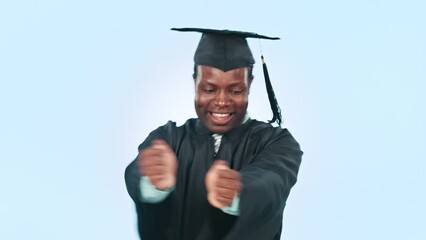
<point x="222" y="184"/>
<point x="158" y="162"/>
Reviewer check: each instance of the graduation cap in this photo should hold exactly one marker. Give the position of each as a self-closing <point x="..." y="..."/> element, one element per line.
<point x="228" y="50"/>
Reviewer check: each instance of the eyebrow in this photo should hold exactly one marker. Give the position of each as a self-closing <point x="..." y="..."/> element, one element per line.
<point x="208" y="81"/>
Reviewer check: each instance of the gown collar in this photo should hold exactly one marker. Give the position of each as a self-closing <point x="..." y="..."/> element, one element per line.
<point x="235" y="133"/>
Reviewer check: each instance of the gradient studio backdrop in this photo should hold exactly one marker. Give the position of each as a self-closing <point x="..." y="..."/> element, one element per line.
<point x="84" y="82"/>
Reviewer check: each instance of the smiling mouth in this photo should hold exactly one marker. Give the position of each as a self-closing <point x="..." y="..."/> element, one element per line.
<point x="220" y="118"/>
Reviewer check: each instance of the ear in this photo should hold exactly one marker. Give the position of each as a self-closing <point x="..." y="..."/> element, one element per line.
<point x="250" y="79"/>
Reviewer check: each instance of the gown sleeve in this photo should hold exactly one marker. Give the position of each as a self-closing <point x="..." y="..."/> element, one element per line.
<point x="267" y="181"/>
<point x="132" y="175"/>
<point x="149" y="193"/>
<point x="151" y="216"/>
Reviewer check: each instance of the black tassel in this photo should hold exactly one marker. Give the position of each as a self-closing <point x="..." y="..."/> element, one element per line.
<point x="271" y="95"/>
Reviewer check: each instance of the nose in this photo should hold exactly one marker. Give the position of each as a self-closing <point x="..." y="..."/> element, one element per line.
<point x="222" y="99"/>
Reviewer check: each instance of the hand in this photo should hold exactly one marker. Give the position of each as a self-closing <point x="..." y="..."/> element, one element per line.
<point x="158" y="162"/>
<point x="222" y="184"/>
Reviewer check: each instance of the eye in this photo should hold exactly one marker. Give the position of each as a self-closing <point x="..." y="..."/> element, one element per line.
<point x="209" y="90"/>
<point x="237" y="91"/>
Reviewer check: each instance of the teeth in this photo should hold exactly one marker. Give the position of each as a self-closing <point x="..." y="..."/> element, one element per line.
<point x="221" y="115"/>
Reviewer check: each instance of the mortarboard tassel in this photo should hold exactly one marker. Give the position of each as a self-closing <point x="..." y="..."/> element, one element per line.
<point x="271" y="95"/>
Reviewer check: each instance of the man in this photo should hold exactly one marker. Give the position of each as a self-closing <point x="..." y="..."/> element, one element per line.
<point x="222" y="175"/>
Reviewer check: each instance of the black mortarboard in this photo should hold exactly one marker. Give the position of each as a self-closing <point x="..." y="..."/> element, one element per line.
<point x="227" y="50"/>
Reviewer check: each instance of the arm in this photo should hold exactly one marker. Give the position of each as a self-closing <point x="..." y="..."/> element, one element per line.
<point x="158" y="162"/>
<point x="150" y="216"/>
<point x="223" y="187"/>
<point x="267" y="181"/>
<point x="149" y="193"/>
<point x="152" y="175"/>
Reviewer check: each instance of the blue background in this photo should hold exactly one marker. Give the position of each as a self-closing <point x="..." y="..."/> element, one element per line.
<point x="84" y="82"/>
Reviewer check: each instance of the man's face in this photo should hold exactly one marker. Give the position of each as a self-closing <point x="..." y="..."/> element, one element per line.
<point x="221" y="98"/>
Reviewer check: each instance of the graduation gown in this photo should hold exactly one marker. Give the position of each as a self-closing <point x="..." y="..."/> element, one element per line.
<point x="268" y="160"/>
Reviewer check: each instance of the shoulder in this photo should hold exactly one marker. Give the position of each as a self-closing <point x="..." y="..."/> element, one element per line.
<point x="170" y="127"/>
<point x="258" y="127"/>
<point x="170" y="132"/>
<point x="269" y="133"/>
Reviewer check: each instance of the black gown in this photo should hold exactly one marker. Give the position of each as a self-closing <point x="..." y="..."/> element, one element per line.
<point x="268" y="159"/>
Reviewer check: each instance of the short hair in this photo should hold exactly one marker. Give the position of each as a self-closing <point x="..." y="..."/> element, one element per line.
<point x="249" y="72"/>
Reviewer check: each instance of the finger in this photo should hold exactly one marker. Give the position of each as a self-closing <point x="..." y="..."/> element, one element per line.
<point x="227" y="184"/>
<point x="211" y="197"/>
<point x="153" y="170"/>
<point x="228" y="174"/>
<point x="224" y="201"/>
<point x="150" y="152"/>
<point x="149" y="168"/>
<point x="220" y="163"/>
<point x="150" y="155"/>
<point x="226" y="193"/>
<point x="152" y="161"/>
<point x="157" y="178"/>
<point x="162" y="182"/>
<point x="160" y="145"/>
<point x="145" y="160"/>
<point x="158" y="141"/>
<point x="210" y="179"/>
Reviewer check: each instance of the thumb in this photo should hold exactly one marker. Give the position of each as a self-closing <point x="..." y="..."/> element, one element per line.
<point x="210" y="181"/>
<point x="220" y="164"/>
<point x="212" y="173"/>
<point x="159" y="144"/>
